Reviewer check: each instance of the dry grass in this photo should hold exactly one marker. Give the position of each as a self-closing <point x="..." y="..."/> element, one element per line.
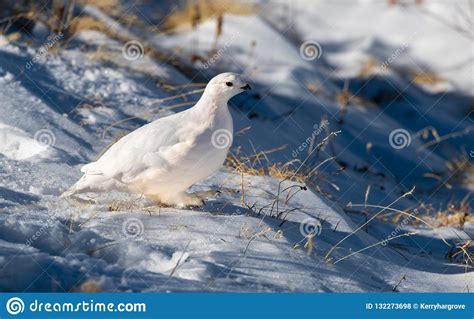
<point x="197" y="11"/>
<point x="382" y="210"/>
<point x="462" y="253"/>
<point x="61" y="17"/>
<point x="115" y="9"/>
<point x="345" y="98"/>
<point x="305" y="172"/>
<point x="15" y="36"/>
<point x="111" y="7"/>
<point x="426" y="78"/>
<point x="89" y="286"/>
<point x="83" y="23"/>
<point x="455" y="218"/>
<point x="258" y="164"/>
<point x="369" y="68"/>
<point x="454" y="215"/>
<point x="461" y="171"/>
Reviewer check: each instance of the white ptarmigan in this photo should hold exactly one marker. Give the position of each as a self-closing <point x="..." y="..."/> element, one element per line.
<point x="162" y="159"/>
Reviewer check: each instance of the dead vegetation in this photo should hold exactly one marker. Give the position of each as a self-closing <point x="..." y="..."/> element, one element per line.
<point x="197" y="11"/>
<point x="462" y="253"/>
<point x="427" y="78"/>
<point x="346" y="98"/>
<point x="258" y="164"/>
<point x="89" y="285"/>
<point x="461" y="171"/>
<point x="306" y="171"/>
<point x="370" y="67"/>
<point x="59" y="18"/>
<point x="56" y="15"/>
<point x="112" y="7"/>
<point x="456" y="214"/>
<point x="83" y="23"/>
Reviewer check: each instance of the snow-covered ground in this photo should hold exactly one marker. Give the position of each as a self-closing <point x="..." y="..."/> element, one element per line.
<point x="61" y="108"/>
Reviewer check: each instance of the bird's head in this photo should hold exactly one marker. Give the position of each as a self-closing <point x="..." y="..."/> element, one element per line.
<point x="226" y="85"/>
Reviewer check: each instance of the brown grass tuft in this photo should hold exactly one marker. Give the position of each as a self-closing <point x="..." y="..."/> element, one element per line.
<point x="462" y="253"/>
<point x="259" y="165"/>
<point x="370" y="67"/>
<point x="455" y="215"/>
<point x="461" y="171"/>
<point x="83" y="23"/>
<point x="426" y="78"/>
<point x="197" y="11"/>
<point x="90" y="286"/>
<point x="111" y="7"/>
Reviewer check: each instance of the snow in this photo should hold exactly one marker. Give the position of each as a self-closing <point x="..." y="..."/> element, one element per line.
<point x="121" y="242"/>
<point x="16" y="145"/>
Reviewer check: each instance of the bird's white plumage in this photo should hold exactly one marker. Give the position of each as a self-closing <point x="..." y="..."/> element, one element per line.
<point x="164" y="158"/>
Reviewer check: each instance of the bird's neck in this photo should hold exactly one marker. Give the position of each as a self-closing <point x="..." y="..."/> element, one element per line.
<point x="210" y="104"/>
<point x="212" y="112"/>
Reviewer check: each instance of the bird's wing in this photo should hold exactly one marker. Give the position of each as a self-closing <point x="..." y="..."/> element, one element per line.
<point x="157" y="144"/>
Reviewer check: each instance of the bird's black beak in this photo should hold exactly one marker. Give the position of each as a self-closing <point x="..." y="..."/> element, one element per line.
<point x="246" y="87"/>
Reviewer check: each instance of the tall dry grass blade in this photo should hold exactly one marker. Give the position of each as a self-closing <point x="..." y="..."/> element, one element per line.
<point x="407" y="214"/>
<point x="373" y="245"/>
<point x="368" y="221"/>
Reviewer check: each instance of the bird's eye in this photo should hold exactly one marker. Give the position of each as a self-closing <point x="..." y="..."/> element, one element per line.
<point x="228" y="83"/>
